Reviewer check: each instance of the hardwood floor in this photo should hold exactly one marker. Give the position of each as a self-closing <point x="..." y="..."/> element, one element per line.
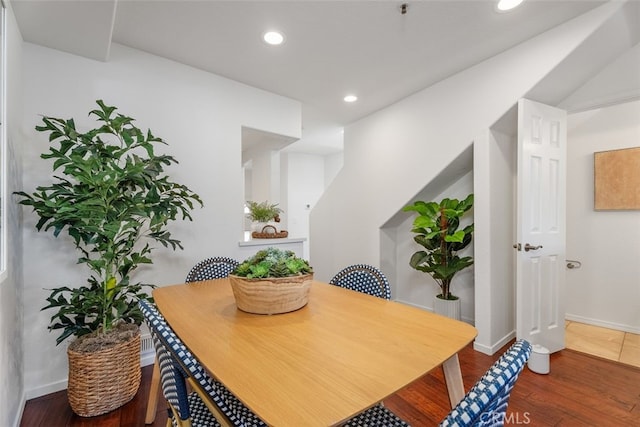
<point x="53" y="410"/>
<point x="603" y="342"/>
<point x="580" y="390"/>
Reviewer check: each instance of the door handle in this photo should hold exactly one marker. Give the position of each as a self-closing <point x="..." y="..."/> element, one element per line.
<point x="528" y="247"/>
<point x="571" y="264"/>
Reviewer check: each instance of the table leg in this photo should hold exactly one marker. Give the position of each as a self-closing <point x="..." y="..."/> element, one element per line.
<point x="453" y="378"/>
<point x="152" y="404"/>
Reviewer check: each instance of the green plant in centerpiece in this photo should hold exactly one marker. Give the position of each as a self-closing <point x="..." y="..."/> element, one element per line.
<point x="263" y="211"/>
<point x="273" y="281"/>
<point x="436" y="227"/>
<point x="110" y="194"/>
<point x="273" y="262"/>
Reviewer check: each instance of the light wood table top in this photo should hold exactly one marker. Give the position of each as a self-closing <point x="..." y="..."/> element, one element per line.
<point x="318" y="366"/>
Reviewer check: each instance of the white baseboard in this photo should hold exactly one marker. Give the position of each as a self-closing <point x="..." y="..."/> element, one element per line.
<point x="147" y="358"/>
<point x="483" y="348"/>
<point x="464" y="319"/>
<point x="46" y="389"/>
<point x="23" y="402"/>
<point x="493" y="348"/>
<point x="602" y="323"/>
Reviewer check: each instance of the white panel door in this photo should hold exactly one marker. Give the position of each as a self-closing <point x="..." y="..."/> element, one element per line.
<point x="541" y="231"/>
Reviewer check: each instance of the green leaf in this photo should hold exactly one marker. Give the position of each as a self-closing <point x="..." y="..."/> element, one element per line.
<point x="458" y="236"/>
<point x="418" y="258"/>
<point x="424" y="222"/>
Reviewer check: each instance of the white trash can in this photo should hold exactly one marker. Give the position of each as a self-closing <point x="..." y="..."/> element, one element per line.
<point x="539" y="359"/>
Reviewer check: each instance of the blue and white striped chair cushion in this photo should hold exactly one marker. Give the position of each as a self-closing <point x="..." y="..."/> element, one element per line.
<point x="172" y="380"/>
<point x="212" y="268"/>
<point x="377" y="416"/>
<point x="238" y="414"/>
<point x="484" y="405"/>
<point x="187" y="406"/>
<point x="363" y="278"/>
<point x="200" y="415"/>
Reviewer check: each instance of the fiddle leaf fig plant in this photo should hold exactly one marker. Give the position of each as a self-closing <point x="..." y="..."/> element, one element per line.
<point x="111" y="196"/>
<point x="436" y="230"/>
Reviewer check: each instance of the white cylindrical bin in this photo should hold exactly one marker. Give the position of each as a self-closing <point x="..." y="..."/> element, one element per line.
<point x="539" y="359"/>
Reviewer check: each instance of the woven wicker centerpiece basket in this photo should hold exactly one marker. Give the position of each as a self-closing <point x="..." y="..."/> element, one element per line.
<point x="272" y="295"/>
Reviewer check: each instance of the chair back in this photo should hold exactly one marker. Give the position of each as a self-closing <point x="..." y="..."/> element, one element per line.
<point x="227" y="403"/>
<point x="363" y="278"/>
<point x="172" y="377"/>
<point x="486" y="403"/>
<point x="212" y="268"/>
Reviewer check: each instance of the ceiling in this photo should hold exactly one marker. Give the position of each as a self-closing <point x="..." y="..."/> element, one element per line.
<point x="368" y="48"/>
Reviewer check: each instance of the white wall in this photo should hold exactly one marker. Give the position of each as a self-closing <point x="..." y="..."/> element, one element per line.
<point x="605" y="291"/>
<point x="418" y="136"/>
<point x="332" y="165"/>
<point x="200" y="115"/>
<point x="392" y="154"/>
<point x="304" y="186"/>
<point x="12" y="365"/>
<point x="390" y="157"/>
<point x="265" y="177"/>
<point x="619" y="81"/>
<point x="494" y="218"/>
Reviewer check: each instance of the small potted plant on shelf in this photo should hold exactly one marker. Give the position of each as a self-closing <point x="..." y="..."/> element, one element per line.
<point x="272" y="281"/>
<point x="265" y="220"/>
<point x="110" y="194"/>
<point x="436" y="229"/>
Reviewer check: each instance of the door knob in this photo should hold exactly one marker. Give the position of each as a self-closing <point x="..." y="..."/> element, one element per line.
<point x="571" y="264"/>
<point x="528" y="247"/>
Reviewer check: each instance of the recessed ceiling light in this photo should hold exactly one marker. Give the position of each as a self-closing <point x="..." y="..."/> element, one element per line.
<point x="505" y="5"/>
<point x="273" y="37"/>
<point x="350" y="98"/>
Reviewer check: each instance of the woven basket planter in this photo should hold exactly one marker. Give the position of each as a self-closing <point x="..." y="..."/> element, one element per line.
<point x="273" y="295"/>
<point x="269" y="232"/>
<point x="102" y="381"/>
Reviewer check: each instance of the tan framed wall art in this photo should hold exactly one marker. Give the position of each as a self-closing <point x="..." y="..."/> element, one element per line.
<point x="617" y="179"/>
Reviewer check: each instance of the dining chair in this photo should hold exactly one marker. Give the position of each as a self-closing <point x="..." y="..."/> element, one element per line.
<point x="220" y="401"/>
<point x="185" y="409"/>
<point x="208" y="269"/>
<point x="484" y="405"/>
<point x="212" y="268"/>
<point x="363" y="278"/>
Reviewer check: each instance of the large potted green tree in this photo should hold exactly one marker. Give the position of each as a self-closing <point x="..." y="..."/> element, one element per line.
<point x="111" y="196"/>
<point x="436" y="229"/>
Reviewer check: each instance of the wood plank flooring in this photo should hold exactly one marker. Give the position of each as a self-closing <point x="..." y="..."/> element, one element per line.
<point x="53" y="410"/>
<point x="603" y="342"/>
<point x="580" y="390"/>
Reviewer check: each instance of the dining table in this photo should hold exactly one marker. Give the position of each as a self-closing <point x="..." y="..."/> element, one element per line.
<point x="340" y="354"/>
